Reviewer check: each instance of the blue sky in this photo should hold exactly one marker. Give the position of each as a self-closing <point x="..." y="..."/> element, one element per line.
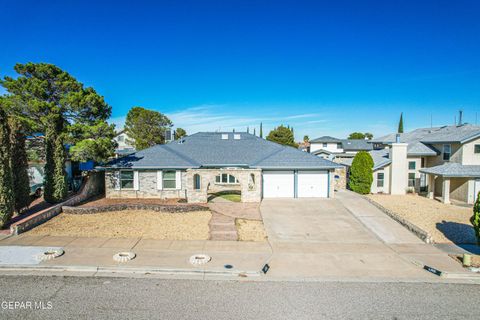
<point x="325" y="68"/>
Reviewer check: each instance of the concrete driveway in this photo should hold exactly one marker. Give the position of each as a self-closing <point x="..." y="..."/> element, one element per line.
<point x="345" y="237"/>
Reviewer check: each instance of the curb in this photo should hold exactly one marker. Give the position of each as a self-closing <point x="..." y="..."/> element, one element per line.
<point x="128" y="270"/>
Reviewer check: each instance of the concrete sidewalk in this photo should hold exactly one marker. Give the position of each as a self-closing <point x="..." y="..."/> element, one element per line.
<point x="152" y="256"/>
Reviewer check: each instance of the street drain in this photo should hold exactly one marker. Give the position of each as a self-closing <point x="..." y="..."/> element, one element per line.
<point x="50" y="254"/>
<point x="197" y="259"/>
<point x="228" y="266"/>
<point x="124" y="256"/>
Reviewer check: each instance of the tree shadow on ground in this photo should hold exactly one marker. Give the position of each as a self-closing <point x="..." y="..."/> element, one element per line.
<point x="458" y="233"/>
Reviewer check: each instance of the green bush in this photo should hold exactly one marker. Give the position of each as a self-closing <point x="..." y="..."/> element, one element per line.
<point x="361" y="173"/>
<point x="475" y="219"/>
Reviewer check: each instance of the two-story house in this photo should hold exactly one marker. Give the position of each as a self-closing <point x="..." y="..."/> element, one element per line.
<point x="443" y="161"/>
<point x="333" y="148"/>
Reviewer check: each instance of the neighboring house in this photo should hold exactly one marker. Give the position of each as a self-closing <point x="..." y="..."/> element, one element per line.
<point x="340" y="151"/>
<point x="209" y="162"/>
<point x="443" y="161"/>
<point x="125" y="147"/>
<point x="333" y="148"/>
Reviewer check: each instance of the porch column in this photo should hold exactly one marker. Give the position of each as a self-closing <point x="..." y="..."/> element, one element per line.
<point x="431" y="186"/>
<point x="446" y="190"/>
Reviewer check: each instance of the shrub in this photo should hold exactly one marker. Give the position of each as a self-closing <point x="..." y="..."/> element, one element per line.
<point x="361" y="173"/>
<point x="475" y="219"/>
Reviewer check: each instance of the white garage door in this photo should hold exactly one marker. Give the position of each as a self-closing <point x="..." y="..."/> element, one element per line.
<point x="312" y="184"/>
<point x="278" y="184"/>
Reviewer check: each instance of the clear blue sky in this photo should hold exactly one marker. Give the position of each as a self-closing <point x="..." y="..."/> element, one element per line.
<point x="325" y="68"/>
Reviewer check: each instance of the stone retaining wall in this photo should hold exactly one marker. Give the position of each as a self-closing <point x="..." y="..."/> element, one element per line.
<point x="420" y="233"/>
<point x="139" y="206"/>
<point x="94" y="184"/>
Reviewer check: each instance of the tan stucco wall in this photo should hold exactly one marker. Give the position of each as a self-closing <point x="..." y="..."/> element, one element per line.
<point x="456" y="155"/>
<point x="469" y="157"/>
<point x="386" y="182"/>
<point x="459" y="189"/>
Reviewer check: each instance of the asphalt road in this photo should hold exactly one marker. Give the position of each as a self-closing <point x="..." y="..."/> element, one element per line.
<point x="126" y="298"/>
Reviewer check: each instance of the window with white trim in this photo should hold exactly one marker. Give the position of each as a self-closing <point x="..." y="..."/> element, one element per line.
<point x="226" y="178"/>
<point x="411" y="165"/>
<point x="126" y="180"/>
<point x="476" y="148"/>
<point x="411" y="179"/>
<point x="380" y="179"/>
<point x="324" y="145"/>
<point x="169" y="180"/>
<point x="447" y="151"/>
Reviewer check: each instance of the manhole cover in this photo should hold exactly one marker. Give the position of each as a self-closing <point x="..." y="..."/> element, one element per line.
<point x="200" y="259"/>
<point x="124" y="256"/>
<point x="50" y="254"/>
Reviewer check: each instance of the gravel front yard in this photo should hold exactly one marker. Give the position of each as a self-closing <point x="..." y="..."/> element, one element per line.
<point x="445" y="223"/>
<point x="250" y="230"/>
<point x="130" y="224"/>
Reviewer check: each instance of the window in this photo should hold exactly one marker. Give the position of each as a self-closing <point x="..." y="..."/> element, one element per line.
<point x="121" y="138"/>
<point x="339" y="145"/>
<point x="411" y="179"/>
<point x="169" y="180"/>
<point x="411" y="165"/>
<point x="380" y="179"/>
<point x="236" y="137"/>
<point x="226" y="179"/>
<point x="196" y="181"/>
<point x="324" y="145"/>
<point x="126" y="179"/>
<point x="423" y="163"/>
<point x="477" y="148"/>
<point x="225" y="136"/>
<point x="447" y="150"/>
<point x="251" y="182"/>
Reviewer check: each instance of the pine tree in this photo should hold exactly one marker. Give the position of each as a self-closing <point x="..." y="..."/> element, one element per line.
<point x="21" y="181"/>
<point x="400" y="124"/>
<point x="261" y="130"/>
<point x="6" y="180"/>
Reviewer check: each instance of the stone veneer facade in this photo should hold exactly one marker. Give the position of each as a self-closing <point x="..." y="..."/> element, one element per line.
<point x="249" y="184"/>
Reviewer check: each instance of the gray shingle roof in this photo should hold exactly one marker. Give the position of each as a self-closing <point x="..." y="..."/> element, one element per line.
<point x="356" y="145"/>
<point x="325" y="139"/>
<point x="453" y="169"/>
<point x="208" y="149"/>
<point x="419" y="140"/>
<point x="380" y="159"/>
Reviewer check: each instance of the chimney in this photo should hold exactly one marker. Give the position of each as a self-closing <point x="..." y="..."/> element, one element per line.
<point x="460" y="114"/>
<point x="397" y="138"/>
<point x="398" y="168"/>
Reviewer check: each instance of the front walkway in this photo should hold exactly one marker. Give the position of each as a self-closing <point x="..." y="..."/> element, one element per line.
<point x="345" y="238"/>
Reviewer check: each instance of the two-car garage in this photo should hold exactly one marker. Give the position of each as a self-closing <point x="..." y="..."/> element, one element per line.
<point x="296" y="184"/>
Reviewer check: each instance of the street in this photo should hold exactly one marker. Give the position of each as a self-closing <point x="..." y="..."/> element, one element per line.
<point x="141" y="298"/>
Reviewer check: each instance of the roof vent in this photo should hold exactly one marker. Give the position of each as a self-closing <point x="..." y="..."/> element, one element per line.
<point x="236" y="136"/>
<point x="225" y="136"/>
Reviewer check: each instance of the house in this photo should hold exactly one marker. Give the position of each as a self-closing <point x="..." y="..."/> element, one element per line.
<point x="124" y="144"/>
<point x="333" y="148"/>
<point x="208" y="162"/>
<point x="443" y="161"/>
<point x="340" y="151"/>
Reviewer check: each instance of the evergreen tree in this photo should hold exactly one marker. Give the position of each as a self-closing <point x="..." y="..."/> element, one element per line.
<point x="180" y="133"/>
<point x="21" y="181"/>
<point x="261" y="130"/>
<point x="254" y="131"/>
<point x="361" y="173"/>
<point x="7" y="197"/>
<point x="60" y="185"/>
<point x="400" y="124"/>
<point x="282" y="135"/>
<point x="248" y="129"/>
